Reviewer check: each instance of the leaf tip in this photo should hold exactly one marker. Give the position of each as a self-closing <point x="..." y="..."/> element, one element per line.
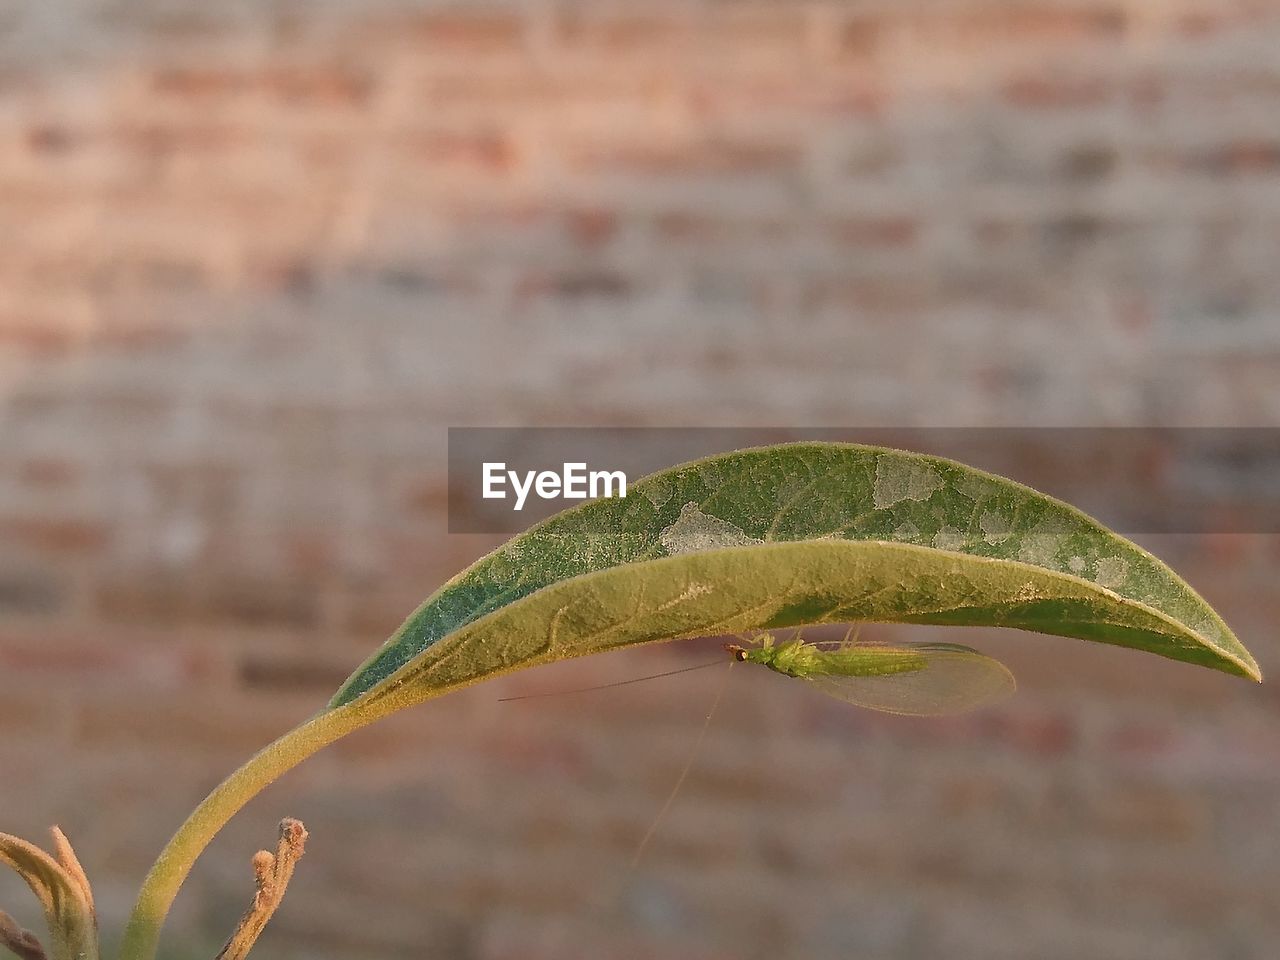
<point x="1242" y="665"/>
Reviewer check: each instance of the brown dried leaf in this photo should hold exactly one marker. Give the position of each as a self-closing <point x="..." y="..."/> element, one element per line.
<point x="271" y="875"/>
<point x="67" y="902"/>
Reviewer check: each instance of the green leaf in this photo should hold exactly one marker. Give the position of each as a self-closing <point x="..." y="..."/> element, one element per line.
<point x="794" y="534"/>
<point x="778" y="585"/>
<point x="62" y="890"/>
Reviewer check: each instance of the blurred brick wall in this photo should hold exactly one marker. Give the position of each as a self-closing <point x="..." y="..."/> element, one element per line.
<point x="257" y="256"/>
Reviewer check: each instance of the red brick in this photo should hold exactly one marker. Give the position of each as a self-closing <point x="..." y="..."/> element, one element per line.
<point x="376" y="614"/>
<point x="486" y="152"/>
<point x="453" y="32"/>
<point x="1207" y="21"/>
<point x="705" y="229"/>
<point x="862" y="36"/>
<point x="892" y="232"/>
<point x="329" y="85"/>
<point x="764" y="98"/>
<point x="201" y="82"/>
<point x="1140" y="741"/>
<point x="49" y="472"/>
<point x="1242" y="158"/>
<point x="260" y="601"/>
<point x="1247" y="157"/>
<point x="429" y="495"/>
<point x="1130" y="810"/>
<point x="308" y="674"/>
<point x="216" y="598"/>
<point x="108" y="659"/>
<point x="28" y="712"/>
<point x="193" y="724"/>
<point x="709" y="158"/>
<point x="592" y="228"/>
<point x="1057" y="92"/>
<point x="1043" y="734"/>
<point x="50" y="535"/>
<point x="623" y="33"/>
<point x="205" y="484"/>
<point x="1089" y="163"/>
<point x="754" y="35"/>
<point x="50" y="139"/>
<point x="35" y="336"/>
<point x="169" y="27"/>
<point x="156" y="140"/>
<point x="31" y="592"/>
<point x="1041" y="23"/>
<point x="573" y="285"/>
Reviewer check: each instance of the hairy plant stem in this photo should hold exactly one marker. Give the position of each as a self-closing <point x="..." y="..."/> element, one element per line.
<point x="167" y="874"/>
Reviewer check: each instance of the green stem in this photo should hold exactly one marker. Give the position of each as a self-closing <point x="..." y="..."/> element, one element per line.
<point x="142" y="934"/>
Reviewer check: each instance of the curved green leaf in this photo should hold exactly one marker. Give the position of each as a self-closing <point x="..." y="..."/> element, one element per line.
<point x="877" y="499"/>
<point x="775" y="585"/>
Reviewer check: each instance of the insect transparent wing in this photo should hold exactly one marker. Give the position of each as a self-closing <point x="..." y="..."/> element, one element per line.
<point x="954" y="679"/>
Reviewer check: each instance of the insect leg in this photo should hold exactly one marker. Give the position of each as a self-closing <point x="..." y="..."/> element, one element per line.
<point x="851" y="635"/>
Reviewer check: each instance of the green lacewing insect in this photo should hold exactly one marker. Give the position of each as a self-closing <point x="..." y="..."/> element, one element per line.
<point x="912" y="679"/>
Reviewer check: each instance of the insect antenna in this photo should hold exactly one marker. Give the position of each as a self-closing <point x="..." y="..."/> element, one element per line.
<point x="684" y="773"/>
<point x="616" y="683"/>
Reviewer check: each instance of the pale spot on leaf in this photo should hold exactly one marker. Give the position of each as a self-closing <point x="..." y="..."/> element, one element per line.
<point x="1040" y="549"/>
<point x="907" y="531"/>
<point x="1111" y="572"/>
<point x="949" y="538"/>
<point x="900" y="477"/>
<point x="974" y="487"/>
<point x="695" y="530"/>
<point x="657" y="491"/>
<point x="994" y="527"/>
